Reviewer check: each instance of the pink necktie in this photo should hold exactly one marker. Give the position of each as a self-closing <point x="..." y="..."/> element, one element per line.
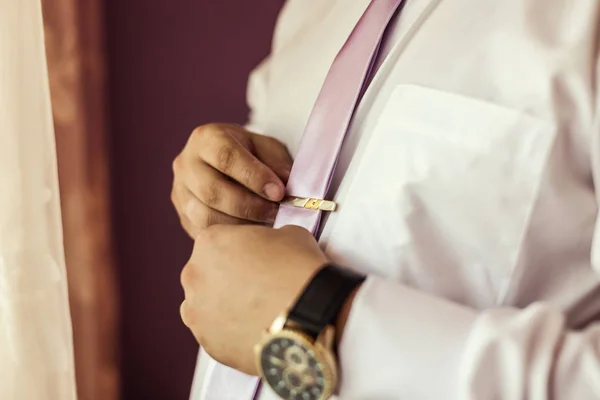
<point x="319" y="150"/>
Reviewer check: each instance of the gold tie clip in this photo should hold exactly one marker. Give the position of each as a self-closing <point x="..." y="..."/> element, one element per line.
<point x="310" y="203"/>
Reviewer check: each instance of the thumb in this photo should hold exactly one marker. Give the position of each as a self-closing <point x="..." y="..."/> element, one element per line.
<point x="273" y="154"/>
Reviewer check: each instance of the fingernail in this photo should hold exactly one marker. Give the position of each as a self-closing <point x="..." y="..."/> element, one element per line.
<point x="273" y="191"/>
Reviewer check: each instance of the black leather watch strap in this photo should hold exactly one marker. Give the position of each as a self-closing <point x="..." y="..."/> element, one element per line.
<point x="322" y="299"/>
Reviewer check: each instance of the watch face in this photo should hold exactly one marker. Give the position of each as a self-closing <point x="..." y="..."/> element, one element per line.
<point x="292" y="367"/>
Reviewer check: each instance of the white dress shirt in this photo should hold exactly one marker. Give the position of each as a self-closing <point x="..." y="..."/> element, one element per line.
<point x="465" y="191"/>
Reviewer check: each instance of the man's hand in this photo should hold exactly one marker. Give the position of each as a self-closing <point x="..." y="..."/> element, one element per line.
<point x="227" y="175"/>
<point x="238" y="280"/>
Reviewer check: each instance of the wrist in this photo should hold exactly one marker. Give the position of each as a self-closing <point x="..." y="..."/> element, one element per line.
<point x="305" y="338"/>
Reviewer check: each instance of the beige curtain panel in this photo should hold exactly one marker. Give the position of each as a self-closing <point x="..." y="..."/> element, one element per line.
<point x="36" y="350"/>
<point x="76" y="65"/>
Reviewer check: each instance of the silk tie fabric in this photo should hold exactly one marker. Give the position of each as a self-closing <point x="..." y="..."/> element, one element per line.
<point x="319" y="150"/>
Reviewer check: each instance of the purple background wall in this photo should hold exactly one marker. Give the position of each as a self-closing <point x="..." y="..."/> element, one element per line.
<point x="173" y="65"/>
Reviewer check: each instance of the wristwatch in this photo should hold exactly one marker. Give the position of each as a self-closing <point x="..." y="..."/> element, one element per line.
<point x="296" y="357"/>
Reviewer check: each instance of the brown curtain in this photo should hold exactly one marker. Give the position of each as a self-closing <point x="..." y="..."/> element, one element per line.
<point x="74" y="46"/>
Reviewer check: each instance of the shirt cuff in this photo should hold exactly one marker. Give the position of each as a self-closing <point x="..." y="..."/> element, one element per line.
<point x="402" y="344"/>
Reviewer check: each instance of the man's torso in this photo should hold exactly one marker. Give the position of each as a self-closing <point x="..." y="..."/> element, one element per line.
<point x="468" y="168"/>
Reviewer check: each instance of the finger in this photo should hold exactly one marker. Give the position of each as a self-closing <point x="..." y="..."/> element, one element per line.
<point x="185" y="314"/>
<point x="215" y="191"/>
<point x="191" y="229"/>
<point x="202" y="216"/>
<point x="267" y="149"/>
<point x="273" y="154"/>
<point x="226" y="154"/>
<point x="185" y="222"/>
<point x="195" y="215"/>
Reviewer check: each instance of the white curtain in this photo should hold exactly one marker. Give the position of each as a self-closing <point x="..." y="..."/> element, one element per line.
<point x="36" y="351"/>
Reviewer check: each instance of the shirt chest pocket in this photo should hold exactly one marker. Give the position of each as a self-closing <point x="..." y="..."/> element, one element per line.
<point x="442" y="193"/>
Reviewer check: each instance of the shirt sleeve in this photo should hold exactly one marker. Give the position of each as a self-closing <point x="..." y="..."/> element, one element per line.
<point x="417" y="346"/>
<point x="293" y="19"/>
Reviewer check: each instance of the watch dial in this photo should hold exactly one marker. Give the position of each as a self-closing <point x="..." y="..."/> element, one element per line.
<point x="292" y="370"/>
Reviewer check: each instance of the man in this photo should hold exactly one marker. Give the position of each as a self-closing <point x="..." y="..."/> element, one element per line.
<point x="466" y="195"/>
